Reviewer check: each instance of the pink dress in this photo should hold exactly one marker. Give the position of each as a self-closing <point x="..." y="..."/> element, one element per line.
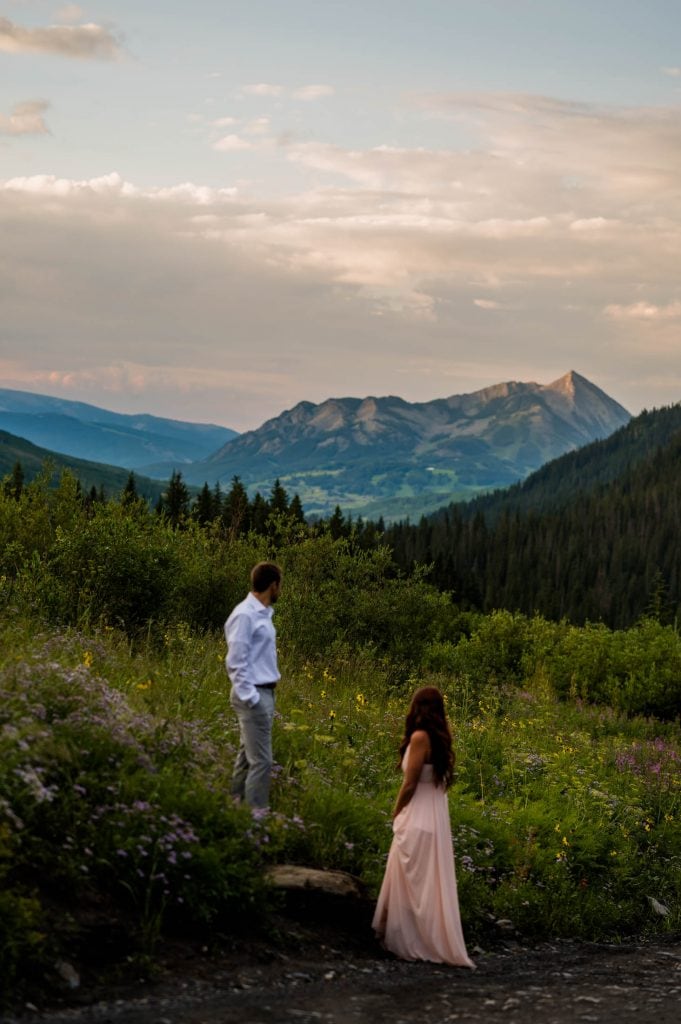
<point x="417" y="914"/>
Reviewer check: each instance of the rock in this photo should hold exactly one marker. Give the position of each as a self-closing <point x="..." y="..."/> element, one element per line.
<point x="68" y="973"/>
<point x="658" y="907"/>
<point x="504" y="925"/>
<point x="296" y="877"/>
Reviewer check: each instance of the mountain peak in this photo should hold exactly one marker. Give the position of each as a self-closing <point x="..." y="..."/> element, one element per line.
<point x="369" y="453"/>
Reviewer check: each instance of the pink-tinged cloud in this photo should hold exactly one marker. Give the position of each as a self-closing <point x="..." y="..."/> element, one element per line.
<point x="262" y="89"/>
<point x="644" y="311"/>
<point x="232" y="144"/>
<point x="85" y="42"/>
<point x="309" y="93"/>
<point x="25" y="119"/>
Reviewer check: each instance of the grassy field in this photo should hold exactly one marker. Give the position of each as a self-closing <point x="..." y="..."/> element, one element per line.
<point x="115" y="761"/>
<point x="117" y="740"/>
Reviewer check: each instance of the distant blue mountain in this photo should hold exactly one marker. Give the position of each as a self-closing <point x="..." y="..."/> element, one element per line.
<point x="88" y="432"/>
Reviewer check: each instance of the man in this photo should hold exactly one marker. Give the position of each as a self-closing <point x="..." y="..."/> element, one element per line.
<point x="252" y="668"/>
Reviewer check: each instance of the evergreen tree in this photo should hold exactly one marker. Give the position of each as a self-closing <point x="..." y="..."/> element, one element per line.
<point x="217" y="500"/>
<point x="176" y="503"/>
<point x="296" y="509"/>
<point x="14" y="484"/>
<point x="337" y="524"/>
<point x="260" y="511"/>
<point x="236" y="511"/>
<point x="203" y="509"/>
<point x="130" y="495"/>
<point x="278" y="498"/>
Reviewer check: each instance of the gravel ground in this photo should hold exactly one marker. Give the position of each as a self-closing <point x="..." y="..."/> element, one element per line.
<point x="302" y="978"/>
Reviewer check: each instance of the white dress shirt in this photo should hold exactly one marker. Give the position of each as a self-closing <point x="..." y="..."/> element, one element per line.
<point x="251" y="649"/>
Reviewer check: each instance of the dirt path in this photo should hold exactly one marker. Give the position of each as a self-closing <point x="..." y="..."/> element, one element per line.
<point x="562" y="983"/>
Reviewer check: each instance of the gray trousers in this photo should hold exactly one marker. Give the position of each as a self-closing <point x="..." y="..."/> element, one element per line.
<point x="253" y="765"/>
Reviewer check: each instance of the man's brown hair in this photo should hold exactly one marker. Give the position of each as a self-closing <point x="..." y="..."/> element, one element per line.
<point x="263" y="574"/>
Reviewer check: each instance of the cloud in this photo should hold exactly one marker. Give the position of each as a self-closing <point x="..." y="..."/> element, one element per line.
<point x="25" y="119"/>
<point x="306" y="93"/>
<point x="644" y="311"/>
<point x="567" y="214"/>
<point x="262" y="89"/>
<point x="90" y="41"/>
<point x="70" y="13"/>
<point x="232" y="144"/>
<point x="672" y="72"/>
<point x="259" y="126"/>
<point x="313" y="92"/>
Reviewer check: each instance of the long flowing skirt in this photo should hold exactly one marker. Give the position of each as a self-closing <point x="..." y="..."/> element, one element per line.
<point x="417" y="914"/>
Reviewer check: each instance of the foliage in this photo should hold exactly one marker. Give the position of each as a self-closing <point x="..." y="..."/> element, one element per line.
<point x="116" y="737"/>
<point x="589" y="537"/>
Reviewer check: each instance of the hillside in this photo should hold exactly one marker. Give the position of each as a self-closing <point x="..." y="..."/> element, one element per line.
<point x="386" y="456"/>
<point x="99" y="435"/>
<point x="559" y="482"/>
<point x="91" y="474"/>
<point x="590" y="537"/>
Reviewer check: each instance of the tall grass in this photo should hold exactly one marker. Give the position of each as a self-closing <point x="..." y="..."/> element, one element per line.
<point x="115" y="761"/>
<point x="117" y="740"/>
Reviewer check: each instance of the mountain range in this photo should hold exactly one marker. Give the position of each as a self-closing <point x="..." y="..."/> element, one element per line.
<point x="372" y="456"/>
<point x="88" y="432"/>
<point x="386" y="456"/>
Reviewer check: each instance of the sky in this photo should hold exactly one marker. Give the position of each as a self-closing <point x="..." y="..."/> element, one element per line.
<point x="213" y="211"/>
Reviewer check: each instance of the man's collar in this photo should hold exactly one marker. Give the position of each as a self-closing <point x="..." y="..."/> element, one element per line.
<point x="258" y="605"/>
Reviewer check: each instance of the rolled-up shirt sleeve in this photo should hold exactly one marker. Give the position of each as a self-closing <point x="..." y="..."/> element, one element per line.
<point x="238" y="633"/>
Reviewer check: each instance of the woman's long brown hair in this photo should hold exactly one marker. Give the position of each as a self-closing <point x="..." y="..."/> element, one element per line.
<point x="427" y="712"/>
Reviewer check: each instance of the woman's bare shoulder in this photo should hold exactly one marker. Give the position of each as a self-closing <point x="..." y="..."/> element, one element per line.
<point x="420" y="738"/>
<point x="420" y="743"/>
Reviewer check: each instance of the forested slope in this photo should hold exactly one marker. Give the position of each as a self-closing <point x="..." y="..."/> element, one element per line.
<point x="592" y="536"/>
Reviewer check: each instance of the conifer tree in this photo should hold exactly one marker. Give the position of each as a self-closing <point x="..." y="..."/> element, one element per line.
<point x="260" y="511"/>
<point x="296" y="509"/>
<point x="14" y="484"/>
<point x="278" y="498"/>
<point x="130" y="496"/>
<point x="337" y="524"/>
<point x="236" y="512"/>
<point x="176" y="503"/>
<point x="203" y="509"/>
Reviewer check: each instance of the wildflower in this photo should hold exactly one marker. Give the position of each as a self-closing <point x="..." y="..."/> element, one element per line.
<point x="87" y="659"/>
<point x="565" y="841"/>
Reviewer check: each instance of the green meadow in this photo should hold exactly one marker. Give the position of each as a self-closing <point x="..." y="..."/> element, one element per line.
<point x="116" y="741"/>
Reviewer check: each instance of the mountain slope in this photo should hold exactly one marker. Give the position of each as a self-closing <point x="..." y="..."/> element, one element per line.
<point x="592" y="536"/>
<point x="91" y="474"/>
<point x="562" y="480"/>
<point x="88" y="432"/>
<point x="370" y="454"/>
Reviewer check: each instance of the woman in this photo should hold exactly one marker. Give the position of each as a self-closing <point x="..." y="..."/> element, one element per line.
<point x="417" y="915"/>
